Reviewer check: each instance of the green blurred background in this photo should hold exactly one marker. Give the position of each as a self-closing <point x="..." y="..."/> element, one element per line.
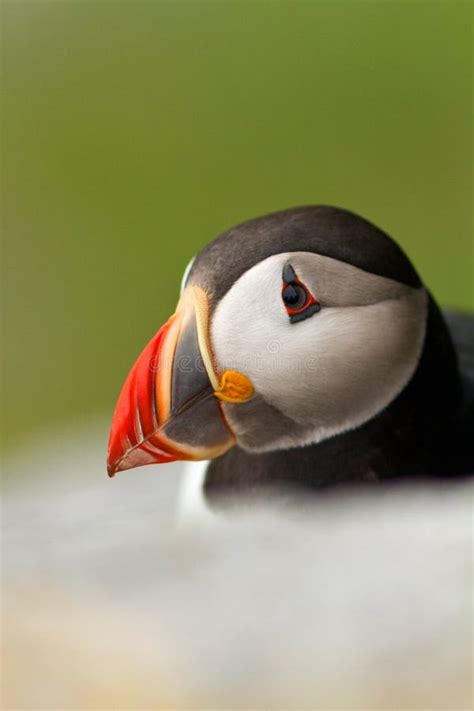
<point x="133" y="132"/>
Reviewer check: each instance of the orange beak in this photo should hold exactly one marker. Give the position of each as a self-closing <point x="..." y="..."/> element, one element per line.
<point x="170" y="404"/>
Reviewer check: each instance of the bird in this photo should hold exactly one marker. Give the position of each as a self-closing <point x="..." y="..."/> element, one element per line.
<point x="305" y="352"/>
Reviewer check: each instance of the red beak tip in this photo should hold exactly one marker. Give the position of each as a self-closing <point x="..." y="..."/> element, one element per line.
<point x="112" y="469"/>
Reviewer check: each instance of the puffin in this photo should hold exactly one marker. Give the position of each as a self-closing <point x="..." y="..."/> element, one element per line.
<point x="304" y="351"/>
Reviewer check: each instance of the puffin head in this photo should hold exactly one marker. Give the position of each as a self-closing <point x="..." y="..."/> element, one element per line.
<point x="291" y="328"/>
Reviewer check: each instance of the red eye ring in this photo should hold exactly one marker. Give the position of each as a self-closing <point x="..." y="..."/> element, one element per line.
<point x="296" y="297"/>
<point x="299" y="302"/>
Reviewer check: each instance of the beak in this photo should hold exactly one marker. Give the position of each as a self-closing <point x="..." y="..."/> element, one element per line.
<point x="170" y="404"/>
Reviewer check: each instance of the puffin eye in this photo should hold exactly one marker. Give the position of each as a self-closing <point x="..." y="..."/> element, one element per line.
<point x="294" y="295"/>
<point x="297" y="298"/>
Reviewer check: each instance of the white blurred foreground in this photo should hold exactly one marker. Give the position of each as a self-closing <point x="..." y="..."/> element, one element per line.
<point x="362" y="601"/>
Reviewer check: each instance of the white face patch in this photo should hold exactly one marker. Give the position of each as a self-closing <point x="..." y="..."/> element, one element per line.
<point x="330" y="372"/>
